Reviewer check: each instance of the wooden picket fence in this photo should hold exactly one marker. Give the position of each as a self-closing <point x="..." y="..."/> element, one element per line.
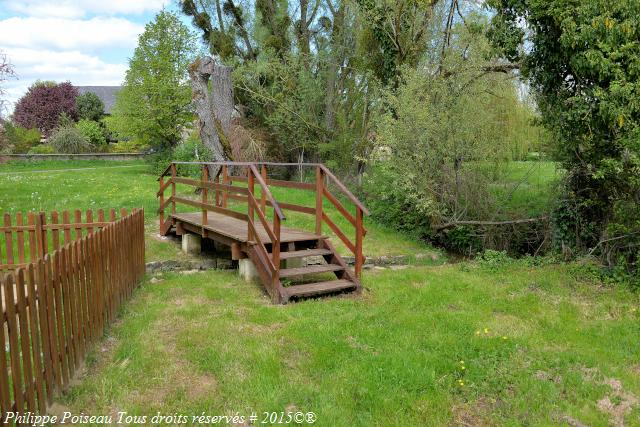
<point x="55" y="305"/>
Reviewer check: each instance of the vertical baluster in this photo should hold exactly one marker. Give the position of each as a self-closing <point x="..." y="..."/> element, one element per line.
<point x="250" y="184"/>
<point x="359" y="237"/>
<point x="225" y="180"/>
<point x="205" y="194"/>
<point x="174" y="173"/>
<point x="319" y="196"/>
<point x="161" y="212"/>
<point x="263" y="198"/>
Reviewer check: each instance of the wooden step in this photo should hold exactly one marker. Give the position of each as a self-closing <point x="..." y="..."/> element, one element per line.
<point x="318" y="288"/>
<point x="304" y="253"/>
<point x="310" y="269"/>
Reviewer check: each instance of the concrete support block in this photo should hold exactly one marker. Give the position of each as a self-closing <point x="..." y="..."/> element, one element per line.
<point x="191" y="243"/>
<point x="248" y="270"/>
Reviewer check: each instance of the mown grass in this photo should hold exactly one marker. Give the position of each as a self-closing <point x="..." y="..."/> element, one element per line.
<point x="456" y="344"/>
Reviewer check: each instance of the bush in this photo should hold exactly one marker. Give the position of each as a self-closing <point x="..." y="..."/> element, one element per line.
<point x="133" y="146"/>
<point x="69" y="140"/>
<point x="89" y="106"/>
<point x="21" y="139"/>
<point x="42" y="149"/>
<point x="192" y="150"/>
<point x="92" y="131"/>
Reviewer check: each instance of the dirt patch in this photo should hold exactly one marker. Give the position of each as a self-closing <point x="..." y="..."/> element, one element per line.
<point x="618" y="404"/>
<point x="353" y="343"/>
<point x="473" y="414"/>
<point x="572" y="421"/>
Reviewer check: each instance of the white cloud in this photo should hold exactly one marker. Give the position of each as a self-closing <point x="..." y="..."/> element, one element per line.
<point x="76" y="67"/>
<point x="68" y="34"/>
<point x="80" y="8"/>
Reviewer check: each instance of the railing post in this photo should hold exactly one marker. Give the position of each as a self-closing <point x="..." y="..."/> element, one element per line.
<point x="161" y="204"/>
<point x="250" y="185"/>
<point x="205" y="194"/>
<point x="319" y="197"/>
<point x="275" y="247"/>
<point x="359" y="237"/>
<point x="263" y="199"/>
<point x="217" y="180"/>
<point x="174" y="172"/>
<point x="225" y="178"/>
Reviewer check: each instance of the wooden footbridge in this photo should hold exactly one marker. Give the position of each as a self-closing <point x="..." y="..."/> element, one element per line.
<point x="266" y="242"/>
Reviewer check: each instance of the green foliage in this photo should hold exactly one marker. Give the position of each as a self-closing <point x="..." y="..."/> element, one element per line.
<point x="583" y="61"/>
<point x="19" y="139"/>
<point x="69" y="140"/>
<point x="133" y="146"/>
<point x="192" y="150"/>
<point x="154" y="103"/>
<point x="92" y="131"/>
<point x="89" y="106"/>
<point x="42" y="149"/>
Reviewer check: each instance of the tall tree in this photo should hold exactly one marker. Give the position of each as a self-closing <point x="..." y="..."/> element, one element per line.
<point x="154" y="104"/>
<point x="583" y="61"/>
<point x="43" y="105"/>
<point x="6" y="72"/>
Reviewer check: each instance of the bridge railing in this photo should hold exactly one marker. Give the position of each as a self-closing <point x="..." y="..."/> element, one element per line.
<point x="257" y="172"/>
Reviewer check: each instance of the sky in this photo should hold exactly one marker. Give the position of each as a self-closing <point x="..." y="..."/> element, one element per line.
<point x="87" y="42"/>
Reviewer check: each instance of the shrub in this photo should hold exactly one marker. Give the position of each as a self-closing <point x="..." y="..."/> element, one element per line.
<point x="133" y="146"/>
<point x="42" y="149"/>
<point x="69" y="140"/>
<point x="192" y="150"/>
<point x="89" y="106"/>
<point x="92" y="131"/>
<point x="21" y="139"/>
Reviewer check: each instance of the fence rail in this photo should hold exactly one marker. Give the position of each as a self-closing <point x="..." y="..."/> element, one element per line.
<point x="55" y="305"/>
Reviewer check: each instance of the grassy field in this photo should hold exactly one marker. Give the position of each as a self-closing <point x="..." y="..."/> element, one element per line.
<point x="452" y="344"/>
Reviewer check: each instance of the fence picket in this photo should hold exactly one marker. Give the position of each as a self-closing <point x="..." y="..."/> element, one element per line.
<point x="58" y="304"/>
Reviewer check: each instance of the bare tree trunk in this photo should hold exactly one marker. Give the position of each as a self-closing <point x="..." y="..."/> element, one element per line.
<point x="214" y="107"/>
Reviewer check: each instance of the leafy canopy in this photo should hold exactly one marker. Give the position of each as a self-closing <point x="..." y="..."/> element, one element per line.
<point x="583" y="61"/>
<point x="43" y="104"/>
<point x="154" y="103"/>
<point x="89" y="106"/>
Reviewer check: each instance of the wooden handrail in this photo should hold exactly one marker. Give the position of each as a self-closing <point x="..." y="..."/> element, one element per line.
<point x="257" y="173"/>
<point x="344" y="189"/>
<point x="263" y="185"/>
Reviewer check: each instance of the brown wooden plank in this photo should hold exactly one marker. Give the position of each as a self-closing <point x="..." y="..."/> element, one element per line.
<point x="335" y="202"/>
<point x="25" y="341"/>
<point x="66" y="220"/>
<point x="14" y="349"/>
<point x="51" y="317"/>
<point x="20" y="238"/>
<point x="212" y="208"/>
<point x="36" y="339"/>
<point x="90" y="223"/>
<point x="211" y="185"/>
<point x="310" y="269"/>
<point x="291" y="184"/>
<point x="64" y="274"/>
<point x="42" y="296"/>
<point x="55" y="234"/>
<point x="77" y="220"/>
<point x="319" y="199"/>
<point x="339" y="233"/>
<point x="60" y="329"/>
<point x="5" y="392"/>
<point x="359" y="239"/>
<point x="263" y="219"/>
<point x="304" y="253"/>
<point x="33" y="254"/>
<point x="319" y="288"/>
<point x="8" y="239"/>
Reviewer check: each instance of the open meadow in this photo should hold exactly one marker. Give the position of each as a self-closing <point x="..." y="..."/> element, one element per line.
<point x="512" y="342"/>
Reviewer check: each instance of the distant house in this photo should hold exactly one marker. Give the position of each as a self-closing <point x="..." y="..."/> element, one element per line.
<point x="106" y="93"/>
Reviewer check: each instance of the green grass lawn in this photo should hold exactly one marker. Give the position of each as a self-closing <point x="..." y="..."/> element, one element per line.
<point x="454" y="344"/>
<point x="457" y="344"/>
